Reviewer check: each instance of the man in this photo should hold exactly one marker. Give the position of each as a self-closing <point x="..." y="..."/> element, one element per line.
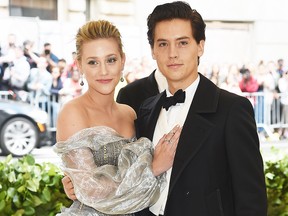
<point x="136" y="92"/>
<point x="217" y="169"/>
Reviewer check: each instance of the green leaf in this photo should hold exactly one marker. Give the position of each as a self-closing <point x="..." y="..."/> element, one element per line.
<point x="19" y="212"/>
<point x="2" y="205"/>
<point x="11" y="192"/>
<point x="21" y="189"/>
<point x="11" y="177"/>
<point x="269" y="175"/>
<point x="29" y="211"/>
<point x="16" y="201"/>
<point x="28" y="202"/>
<point x="29" y="159"/>
<point x="8" y="159"/>
<point x="32" y="185"/>
<point x="47" y="194"/>
<point x="2" y="195"/>
<point x="36" y="200"/>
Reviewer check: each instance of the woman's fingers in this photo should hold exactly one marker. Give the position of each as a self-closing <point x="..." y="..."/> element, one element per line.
<point x="173" y="136"/>
<point x="68" y="187"/>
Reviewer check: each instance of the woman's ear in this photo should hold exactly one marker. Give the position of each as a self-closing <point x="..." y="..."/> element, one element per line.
<point x="78" y="64"/>
<point x="123" y="60"/>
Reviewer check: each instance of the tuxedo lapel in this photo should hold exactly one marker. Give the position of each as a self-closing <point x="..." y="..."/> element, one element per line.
<point x="149" y="113"/>
<point x="152" y="88"/>
<point x="196" y="128"/>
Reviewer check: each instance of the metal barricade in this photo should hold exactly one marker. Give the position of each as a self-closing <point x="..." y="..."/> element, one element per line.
<point x="271" y="109"/>
<point x="6" y="95"/>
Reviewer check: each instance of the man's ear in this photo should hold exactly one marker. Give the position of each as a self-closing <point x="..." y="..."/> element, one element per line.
<point x="152" y="53"/>
<point x="201" y="48"/>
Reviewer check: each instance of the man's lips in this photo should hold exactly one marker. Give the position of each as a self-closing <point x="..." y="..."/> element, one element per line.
<point x="174" y="66"/>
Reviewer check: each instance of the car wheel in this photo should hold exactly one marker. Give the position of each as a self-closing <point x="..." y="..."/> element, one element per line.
<point x="18" y="137"/>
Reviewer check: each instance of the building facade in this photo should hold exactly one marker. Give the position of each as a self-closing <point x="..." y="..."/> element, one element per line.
<point x="238" y="31"/>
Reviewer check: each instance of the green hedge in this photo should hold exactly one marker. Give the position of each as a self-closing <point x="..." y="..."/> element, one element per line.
<point x="28" y="188"/>
<point x="276" y="173"/>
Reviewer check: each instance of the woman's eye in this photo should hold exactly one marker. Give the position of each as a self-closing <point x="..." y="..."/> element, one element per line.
<point x="111" y="60"/>
<point x="92" y="62"/>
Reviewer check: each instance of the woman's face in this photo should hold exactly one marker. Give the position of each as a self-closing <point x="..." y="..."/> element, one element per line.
<point x="102" y="65"/>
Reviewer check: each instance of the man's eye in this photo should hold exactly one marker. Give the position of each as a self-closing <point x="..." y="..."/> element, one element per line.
<point x="111" y="60"/>
<point x="162" y="44"/>
<point x="183" y="43"/>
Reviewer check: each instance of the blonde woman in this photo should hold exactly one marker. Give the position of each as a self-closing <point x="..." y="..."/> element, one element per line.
<point x="108" y="170"/>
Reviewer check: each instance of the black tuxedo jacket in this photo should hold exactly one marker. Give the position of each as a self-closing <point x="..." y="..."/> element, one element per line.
<point x="136" y="92"/>
<point x="218" y="168"/>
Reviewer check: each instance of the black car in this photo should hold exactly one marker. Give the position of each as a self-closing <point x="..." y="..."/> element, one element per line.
<point x="23" y="127"/>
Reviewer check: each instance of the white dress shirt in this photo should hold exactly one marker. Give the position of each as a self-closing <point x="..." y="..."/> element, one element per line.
<point x="165" y="123"/>
<point x="161" y="80"/>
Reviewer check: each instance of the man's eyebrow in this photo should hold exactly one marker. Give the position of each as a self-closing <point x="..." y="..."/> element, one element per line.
<point x="161" y="39"/>
<point x="180" y="38"/>
<point x="183" y="37"/>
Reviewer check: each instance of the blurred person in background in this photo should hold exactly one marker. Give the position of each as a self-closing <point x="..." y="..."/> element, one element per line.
<point x="51" y="58"/>
<point x="71" y="87"/>
<point x="283" y="89"/>
<point x="57" y="85"/>
<point x="39" y="84"/>
<point x="7" y="56"/>
<point x="31" y="56"/>
<point x="248" y="83"/>
<point x="19" y="74"/>
<point x="70" y="67"/>
<point x="280" y="67"/>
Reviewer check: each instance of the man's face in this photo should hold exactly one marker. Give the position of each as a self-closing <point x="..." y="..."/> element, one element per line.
<point x="176" y="52"/>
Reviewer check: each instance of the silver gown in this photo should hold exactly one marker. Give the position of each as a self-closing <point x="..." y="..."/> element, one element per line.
<point x="111" y="175"/>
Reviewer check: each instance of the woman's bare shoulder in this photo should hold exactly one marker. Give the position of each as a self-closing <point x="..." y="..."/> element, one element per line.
<point x="128" y="111"/>
<point x="71" y="119"/>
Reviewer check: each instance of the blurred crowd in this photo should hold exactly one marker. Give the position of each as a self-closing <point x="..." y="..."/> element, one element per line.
<point x="42" y="74"/>
<point x="37" y="74"/>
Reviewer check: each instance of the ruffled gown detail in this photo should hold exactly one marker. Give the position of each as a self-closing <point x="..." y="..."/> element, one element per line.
<point x="111" y="175"/>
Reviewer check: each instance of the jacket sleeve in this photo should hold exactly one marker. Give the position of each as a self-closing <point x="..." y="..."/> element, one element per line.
<point x="245" y="160"/>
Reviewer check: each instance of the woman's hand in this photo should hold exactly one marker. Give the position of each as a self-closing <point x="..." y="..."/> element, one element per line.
<point x="68" y="188"/>
<point x="165" y="151"/>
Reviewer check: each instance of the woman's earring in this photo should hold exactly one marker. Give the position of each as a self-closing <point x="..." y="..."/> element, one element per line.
<point x="81" y="80"/>
<point x="122" y="79"/>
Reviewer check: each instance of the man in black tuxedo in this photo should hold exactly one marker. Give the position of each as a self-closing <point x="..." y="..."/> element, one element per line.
<point x="218" y="168"/>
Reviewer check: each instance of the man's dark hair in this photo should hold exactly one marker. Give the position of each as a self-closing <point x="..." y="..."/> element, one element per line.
<point x="46" y="44"/>
<point x="176" y="10"/>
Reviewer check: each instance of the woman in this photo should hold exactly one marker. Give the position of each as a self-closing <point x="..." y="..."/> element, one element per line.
<point x="112" y="173"/>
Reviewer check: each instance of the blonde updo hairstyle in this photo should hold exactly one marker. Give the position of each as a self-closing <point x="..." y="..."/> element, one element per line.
<point x="97" y="30"/>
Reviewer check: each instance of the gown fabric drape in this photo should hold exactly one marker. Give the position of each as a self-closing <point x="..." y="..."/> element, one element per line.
<point x="111" y="174"/>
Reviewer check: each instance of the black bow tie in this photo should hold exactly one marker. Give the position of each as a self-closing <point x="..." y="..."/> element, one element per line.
<point x="178" y="97"/>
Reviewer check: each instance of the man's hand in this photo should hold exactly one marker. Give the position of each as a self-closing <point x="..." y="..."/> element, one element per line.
<point x="68" y="188"/>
